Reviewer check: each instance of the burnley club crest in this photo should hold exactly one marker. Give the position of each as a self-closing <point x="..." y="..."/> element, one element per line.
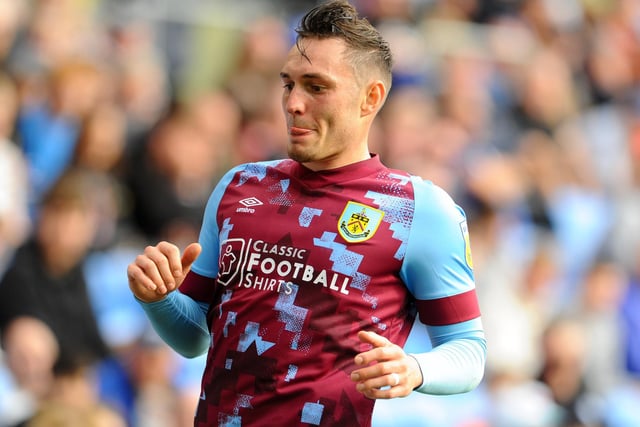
<point x="359" y="222"/>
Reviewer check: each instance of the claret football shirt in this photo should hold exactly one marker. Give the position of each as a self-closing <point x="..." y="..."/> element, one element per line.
<point x="295" y="262"/>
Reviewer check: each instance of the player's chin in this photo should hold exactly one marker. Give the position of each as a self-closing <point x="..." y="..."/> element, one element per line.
<point x="299" y="153"/>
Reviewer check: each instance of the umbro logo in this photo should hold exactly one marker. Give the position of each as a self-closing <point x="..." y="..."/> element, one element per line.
<point x="250" y="201"/>
<point x="248" y="204"/>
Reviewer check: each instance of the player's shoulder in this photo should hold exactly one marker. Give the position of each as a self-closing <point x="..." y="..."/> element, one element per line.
<point x="426" y="193"/>
<point x="427" y="190"/>
<point x="432" y="199"/>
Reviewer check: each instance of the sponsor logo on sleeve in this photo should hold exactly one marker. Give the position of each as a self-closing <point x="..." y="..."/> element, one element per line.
<point x="464" y="228"/>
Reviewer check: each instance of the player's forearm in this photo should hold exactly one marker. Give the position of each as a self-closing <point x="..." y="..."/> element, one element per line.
<point x="181" y="322"/>
<point x="456" y="366"/>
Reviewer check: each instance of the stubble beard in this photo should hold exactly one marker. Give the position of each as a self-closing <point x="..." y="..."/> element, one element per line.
<point x="300" y="156"/>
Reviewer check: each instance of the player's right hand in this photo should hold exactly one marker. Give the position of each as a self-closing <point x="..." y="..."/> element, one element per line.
<point x="160" y="270"/>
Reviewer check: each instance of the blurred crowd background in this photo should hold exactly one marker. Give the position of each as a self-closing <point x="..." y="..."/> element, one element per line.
<point x="117" y="117"/>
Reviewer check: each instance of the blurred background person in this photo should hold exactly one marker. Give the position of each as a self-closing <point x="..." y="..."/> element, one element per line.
<point x="15" y="222"/>
<point x="31" y="351"/>
<point x="180" y="165"/>
<point x="48" y="128"/>
<point x="46" y="279"/>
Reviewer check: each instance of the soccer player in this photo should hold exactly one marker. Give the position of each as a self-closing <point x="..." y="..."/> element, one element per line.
<point x="310" y="271"/>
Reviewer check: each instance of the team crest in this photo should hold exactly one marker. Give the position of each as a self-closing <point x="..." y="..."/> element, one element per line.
<point x="359" y="222"/>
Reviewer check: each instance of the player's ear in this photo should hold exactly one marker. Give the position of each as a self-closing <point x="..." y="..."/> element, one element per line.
<point x="374" y="98"/>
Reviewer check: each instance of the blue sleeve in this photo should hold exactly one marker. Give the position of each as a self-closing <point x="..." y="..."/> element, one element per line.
<point x="437" y="262"/>
<point x="437" y="270"/>
<point x="181" y="322"/>
<point x="456" y="362"/>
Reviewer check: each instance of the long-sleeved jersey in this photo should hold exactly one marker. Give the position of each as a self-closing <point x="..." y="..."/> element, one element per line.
<point x="295" y="262"/>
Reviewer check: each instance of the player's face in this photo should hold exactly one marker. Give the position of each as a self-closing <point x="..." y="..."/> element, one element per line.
<point x="322" y="105"/>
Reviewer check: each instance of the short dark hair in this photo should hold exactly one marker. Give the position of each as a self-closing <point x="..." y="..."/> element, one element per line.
<point x="339" y="19"/>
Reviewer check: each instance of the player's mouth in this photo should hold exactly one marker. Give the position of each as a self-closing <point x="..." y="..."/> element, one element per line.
<point x="297" y="131"/>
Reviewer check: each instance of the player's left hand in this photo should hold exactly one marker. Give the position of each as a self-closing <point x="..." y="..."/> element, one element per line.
<point x="386" y="370"/>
